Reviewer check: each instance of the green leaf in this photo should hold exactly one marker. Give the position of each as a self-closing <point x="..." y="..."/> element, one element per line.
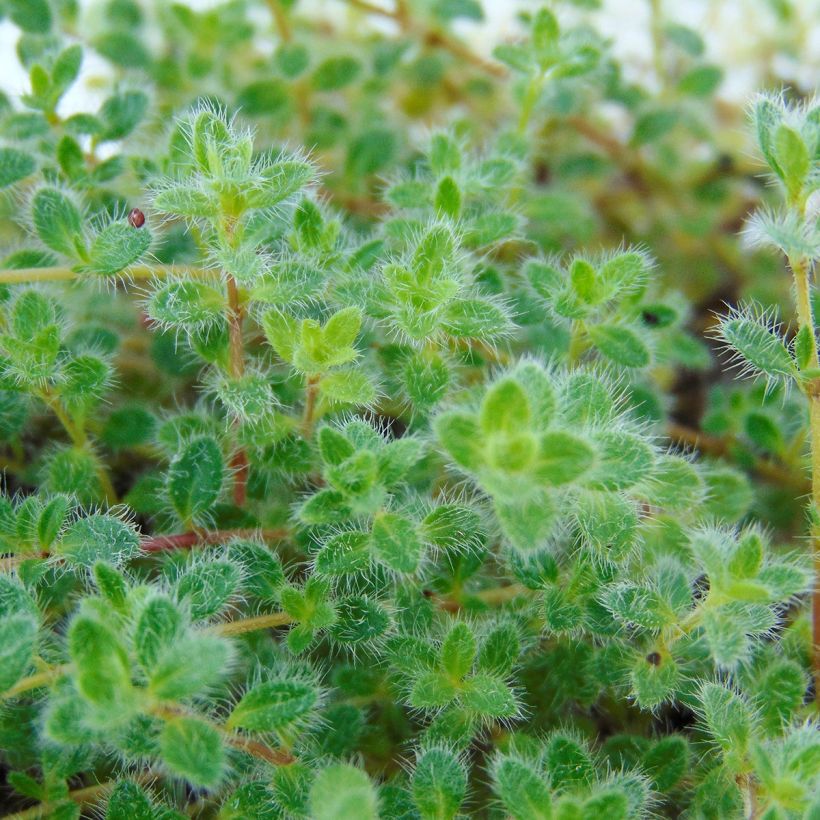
<point x="273" y="706"/>
<point x="193" y="750"/>
<point x="279" y="181"/>
<point x="562" y="458"/>
<point x="58" y="222"/>
<point x="112" y="585"/>
<point x="522" y="789"/>
<point x="727" y="717"/>
<point x="185" y="200"/>
<point x="116" y="247"/>
<point x="489" y="697"/>
<point x="526" y="523"/>
<point x="207" y="587"/>
<point x="359" y="620"/>
<point x="195" y="479"/>
<point x="701" y="81"/>
<point x="395" y="542"/>
<point x="620" y="344"/>
<point x="121" y="114"/>
<point x="66" y="67"/>
<point x="158" y="626"/>
<point x="758" y="345"/>
<point x="438" y="784"/>
<point x="343" y="554"/>
<point x="652" y="125"/>
<point x="263" y="98"/>
<point x="793" y="158"/>
<point x="14" y="166"/>
<point x="804" y="347"/>
<point x="189" y="666"/>
<point x="128" y="801"/>
<point x="98" y="537"/>
<point x="347" y="387"/>
<point x="458" y="651"/>
<point x="667" y="762"/>
<point x="102" y="669"/>
<point x="18" y="640"/>
<point x="343" y="327"/>
<point x="475" y="319"/>
<point x="499" y="650"/>
<point x="453" y="527"/>
<point x="31" y="15"/>
<point x="460" y="436"/>
<point x="448" y="198"/>
<point x="568" y="761"/>
<point x="432" y="690"/>
<point x="282" y="331"/>
<point x="335" y="73"/>
<point x="343" y="792"/>
<point x="505" y="408"/>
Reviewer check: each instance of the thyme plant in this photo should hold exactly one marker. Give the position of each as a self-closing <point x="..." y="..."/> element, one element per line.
<point x="367" y="450"/>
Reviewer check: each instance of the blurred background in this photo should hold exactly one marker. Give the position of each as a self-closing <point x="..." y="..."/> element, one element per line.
<point x="753" y="39"/>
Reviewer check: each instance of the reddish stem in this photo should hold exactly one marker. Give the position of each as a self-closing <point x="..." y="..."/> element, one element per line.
<point x="236" y="316"/>
<point x="186" y="540"/>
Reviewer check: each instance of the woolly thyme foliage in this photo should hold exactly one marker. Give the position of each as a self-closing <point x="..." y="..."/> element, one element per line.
<point x="361" y="504"/>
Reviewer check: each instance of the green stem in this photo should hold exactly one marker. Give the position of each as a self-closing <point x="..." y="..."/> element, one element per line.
<point x="37" y="681"/>
<point x="577" y="344"/>
<point x="801" y="270"/>
<point x="243" y="625"/>
<point x="84" y="796"/>
<point x="531" y="96"/>
<point x="309" y="414"/>
<point x="79" y="438"/>
<point x="281" y="19"/>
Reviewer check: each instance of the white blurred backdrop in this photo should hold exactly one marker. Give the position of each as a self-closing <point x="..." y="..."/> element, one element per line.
<point x="740" y="35"/>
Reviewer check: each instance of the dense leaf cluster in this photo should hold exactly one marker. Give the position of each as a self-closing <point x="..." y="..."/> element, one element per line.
<point x="364" y="452"/>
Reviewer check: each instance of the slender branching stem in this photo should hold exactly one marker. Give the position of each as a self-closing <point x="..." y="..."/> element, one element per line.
<point x="721" y="447"/>
<point x="82" y="797"/>
<point x="801" y="270"/>
<point x="277" y="757"/>
<point x="32" y="682"/>
<point x="63" y="273"/>
<point x="281" y="19"/>
<point x="309" y="414"/>
<point x="430" y="35"/>
<point x="186" y="540"/>
<point x="79" y="438"/>
<point x="236" y="316"/>
<point x="243" y="625"/>
<point x="169" y="543"/>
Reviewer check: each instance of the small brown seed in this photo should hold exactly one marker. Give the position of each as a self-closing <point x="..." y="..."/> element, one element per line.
<point x="136" y="218"/>
<point x="654" y="658"/>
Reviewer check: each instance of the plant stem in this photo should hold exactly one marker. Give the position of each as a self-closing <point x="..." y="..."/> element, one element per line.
<point x="801" y="271"/>
<point x="492" y="596"/>
<point x="531" y="96"/>
<point x="36" y="681"/>
<point x="431" y="36"/>
<point x="80" y="440"/>
<point x="243" y="625"/>
<point x="776" y="473"/>
<point x="236" y="315"/>
<point x="278" y="757"/>
<point x="66" y="274"/>
<point x="310" y="406"/>
<point x="656" y="28"/>
<point x="84" y="796"/>
<point x="281" y="19"/>
<point x="185" y="540"/>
